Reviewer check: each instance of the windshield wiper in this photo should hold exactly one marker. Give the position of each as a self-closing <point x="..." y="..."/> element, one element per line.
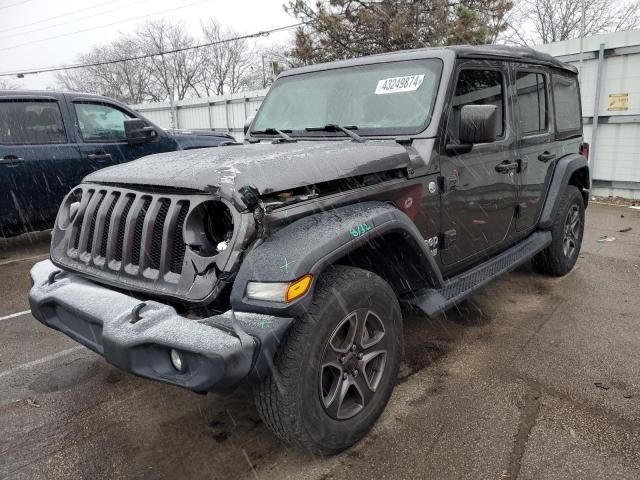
<point x="332" y="127"/>
<point x="275" y="131"/>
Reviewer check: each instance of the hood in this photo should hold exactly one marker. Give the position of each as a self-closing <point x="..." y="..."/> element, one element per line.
<point x="267" y="167"/>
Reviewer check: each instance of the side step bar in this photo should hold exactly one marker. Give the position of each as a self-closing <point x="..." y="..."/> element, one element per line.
<point x="435" y="301"/>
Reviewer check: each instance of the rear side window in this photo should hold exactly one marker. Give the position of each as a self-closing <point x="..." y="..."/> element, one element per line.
<point x="477" y="87"/>
<point x="532" y="102"/>
<point x="566" y="100"/>
<point x="101" y="123"/>
<point x="30" y="122"/>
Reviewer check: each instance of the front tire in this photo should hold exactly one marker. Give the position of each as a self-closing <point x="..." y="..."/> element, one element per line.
<point x="567" y="231"/>
<point x="334" y="373"/>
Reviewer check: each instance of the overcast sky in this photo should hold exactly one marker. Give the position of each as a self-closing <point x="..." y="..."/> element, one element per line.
<point x="27" y="26"/>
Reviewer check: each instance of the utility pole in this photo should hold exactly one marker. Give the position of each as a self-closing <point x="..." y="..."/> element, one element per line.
<point x="582" y="27"/>
<point x="174" y="113"/>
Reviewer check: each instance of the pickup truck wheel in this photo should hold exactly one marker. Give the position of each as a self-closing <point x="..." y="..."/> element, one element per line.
<point x="334" y="373"/>
<point x="567" y="230"/>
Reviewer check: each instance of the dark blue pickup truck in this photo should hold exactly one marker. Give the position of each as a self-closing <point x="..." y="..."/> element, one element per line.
<point x="49" y="141"/>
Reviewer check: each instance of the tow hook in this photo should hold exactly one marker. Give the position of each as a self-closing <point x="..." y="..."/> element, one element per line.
<point x="52" y="276"/>
<point x="135" y="313"/>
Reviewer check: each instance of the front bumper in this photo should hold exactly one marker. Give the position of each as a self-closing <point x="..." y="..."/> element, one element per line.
<point x="218" y="352"/>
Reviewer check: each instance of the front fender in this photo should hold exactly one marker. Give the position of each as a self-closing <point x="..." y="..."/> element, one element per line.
<point x="565" y="168"/>
<point x="313" y="243"/>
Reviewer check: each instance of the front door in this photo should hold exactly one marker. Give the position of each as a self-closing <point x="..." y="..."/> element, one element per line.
<point x="537" y="149"/>
<point x="36" y="159"/>
<point x="479" y="196"/>
<point x="102" y="140"/>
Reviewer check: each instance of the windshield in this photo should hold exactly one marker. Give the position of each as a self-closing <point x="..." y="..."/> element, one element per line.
<point x="385" y="99"/>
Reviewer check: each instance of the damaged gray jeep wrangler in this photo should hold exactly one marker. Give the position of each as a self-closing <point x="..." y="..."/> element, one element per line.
<point x="411" y="178"/>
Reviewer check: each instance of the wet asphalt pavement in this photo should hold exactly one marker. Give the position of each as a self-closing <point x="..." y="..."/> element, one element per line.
<point x="503" y="387"/>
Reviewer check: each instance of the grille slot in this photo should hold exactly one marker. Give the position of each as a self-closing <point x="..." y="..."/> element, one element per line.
<point x="121" y="227"/>
<point x="137" y="235"/>
<point x="80" y="220"/>
<point x="158" y="227"/>
<point x="92" y="228"/>
<point x="107" y="224"/>
<point x="179" y="246"/>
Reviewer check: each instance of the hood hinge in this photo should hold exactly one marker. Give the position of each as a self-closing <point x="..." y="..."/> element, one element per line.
<point x="446" y="184"/>
<point x="447" y="239"/>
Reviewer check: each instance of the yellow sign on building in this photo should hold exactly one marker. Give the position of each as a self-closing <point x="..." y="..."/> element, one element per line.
<point x="618" y="101"/>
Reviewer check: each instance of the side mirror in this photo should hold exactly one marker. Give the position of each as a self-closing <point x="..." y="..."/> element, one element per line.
<point x="247" y="123"/>
<point x="137" y="131"/>
<point x="478" y="123"/>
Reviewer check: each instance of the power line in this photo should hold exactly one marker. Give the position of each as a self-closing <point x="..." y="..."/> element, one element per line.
<point x="56" y="17"/>
<point x="75" y="20"/>
<point x="101" y="26"/>
<point x="15" y="4"/>
<point x="263" y="33"/>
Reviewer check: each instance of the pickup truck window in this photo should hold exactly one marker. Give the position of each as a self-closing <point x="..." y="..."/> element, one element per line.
<point x="31" y="122"/>
<point x="383" y="98"/>
<point x="100" y="123"/>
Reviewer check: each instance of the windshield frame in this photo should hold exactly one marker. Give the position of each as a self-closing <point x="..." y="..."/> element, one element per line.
<point x="363" y="132"/>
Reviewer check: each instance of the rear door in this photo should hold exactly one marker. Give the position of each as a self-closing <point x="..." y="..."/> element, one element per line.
<point x="101" y="135"/>
<point x="37" y="156"/>
<point x="536" y="146"/>
<point x="478" y="201"/>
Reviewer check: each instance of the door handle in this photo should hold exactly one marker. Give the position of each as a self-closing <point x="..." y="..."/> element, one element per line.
<point x="544" y="157"/>
<point x="99" y="156"/>
<point x="11" y="160"/>
<point x="507" y="166"/>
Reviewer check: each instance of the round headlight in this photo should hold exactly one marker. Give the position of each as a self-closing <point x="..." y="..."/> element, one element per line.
<point x="209" y="228"/>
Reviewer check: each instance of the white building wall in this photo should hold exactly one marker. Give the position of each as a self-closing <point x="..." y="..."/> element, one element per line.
<point x="616" y="158"/>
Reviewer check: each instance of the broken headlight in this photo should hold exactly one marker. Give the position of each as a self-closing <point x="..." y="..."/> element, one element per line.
<point x="209" y="228"/>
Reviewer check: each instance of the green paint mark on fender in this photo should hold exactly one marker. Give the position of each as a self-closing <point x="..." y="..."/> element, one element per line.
<point x="359" y="230"/>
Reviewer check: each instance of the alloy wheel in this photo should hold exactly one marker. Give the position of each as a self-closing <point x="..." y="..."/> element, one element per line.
<point x="571" y="231"/>
<point x="353" y="364"/>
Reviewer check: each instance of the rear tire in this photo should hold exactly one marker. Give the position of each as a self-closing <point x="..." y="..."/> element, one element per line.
<point x="330" y="382"/>
<point x="567" y="231"/>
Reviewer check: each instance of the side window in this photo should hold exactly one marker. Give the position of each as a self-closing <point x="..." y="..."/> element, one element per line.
<point x="566" y="100"/>
<point x="477" y="87"/>
<point x="532" y="102"/>
<point x="31" y="122"/>
<point x="100" y="123"/>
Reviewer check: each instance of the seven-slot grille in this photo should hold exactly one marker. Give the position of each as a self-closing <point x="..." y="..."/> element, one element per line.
<point x="128" y="232"/>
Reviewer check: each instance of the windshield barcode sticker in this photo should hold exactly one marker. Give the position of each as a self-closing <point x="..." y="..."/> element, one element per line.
<point x="399" y="84"/>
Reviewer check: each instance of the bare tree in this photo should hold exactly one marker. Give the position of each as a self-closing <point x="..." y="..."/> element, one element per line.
<point x="130" y="81"/>
<point x="171" y="69"/>
<point x="534" y="22"/>
<point x="8" y="85"/>
<point x="229" y="65"/>
<point x="174" y="73"/>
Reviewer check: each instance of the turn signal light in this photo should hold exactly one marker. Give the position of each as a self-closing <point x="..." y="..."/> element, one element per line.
<point x="298" y="288"/>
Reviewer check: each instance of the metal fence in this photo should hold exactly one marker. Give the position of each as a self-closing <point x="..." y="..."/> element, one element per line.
<point x="226" y="113"/>
<point x="610" y="84"/>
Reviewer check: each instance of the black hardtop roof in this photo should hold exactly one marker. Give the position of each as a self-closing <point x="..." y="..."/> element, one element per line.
<point x="521" y="54"/>
<point x="502" y="52"/>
